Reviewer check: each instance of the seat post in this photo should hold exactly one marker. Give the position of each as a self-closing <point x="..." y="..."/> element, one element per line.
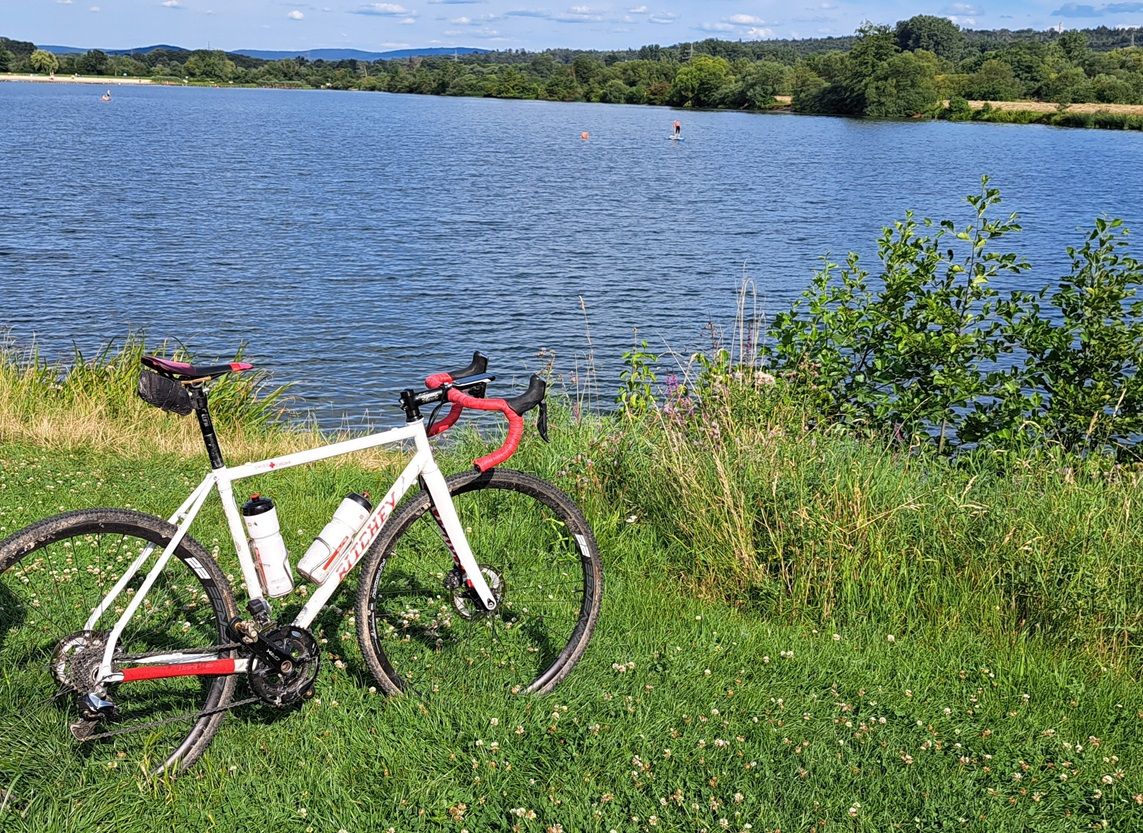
<point x="209" y="437"/>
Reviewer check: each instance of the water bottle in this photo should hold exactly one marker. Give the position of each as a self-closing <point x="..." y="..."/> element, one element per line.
<point x="331" y="541"/>
<point x="270" y="554"/>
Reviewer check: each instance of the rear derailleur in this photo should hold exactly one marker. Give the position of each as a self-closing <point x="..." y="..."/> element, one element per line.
<point x="75" y="668"/>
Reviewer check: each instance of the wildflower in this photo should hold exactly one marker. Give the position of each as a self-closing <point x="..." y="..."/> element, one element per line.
<point x="854" y="808"/>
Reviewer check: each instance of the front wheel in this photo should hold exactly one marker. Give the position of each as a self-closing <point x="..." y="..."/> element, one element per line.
<point x="419" y="625"/>
<point x="53" y="576"/>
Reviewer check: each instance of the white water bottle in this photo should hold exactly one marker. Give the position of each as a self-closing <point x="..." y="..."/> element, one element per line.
<point x="270" y="556"/>
<point x="319" y="559"/>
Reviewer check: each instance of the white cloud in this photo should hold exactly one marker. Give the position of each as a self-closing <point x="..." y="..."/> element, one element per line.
<point x="172" y="4"/>
<point x="745" y="20"/>
<point x="715" y="27"/>
<point x="94" y="9"/>
<point x="759" y="33"/>
<point x="384" y="10"/>
<point x="664" y="17"/>
<point x="64" y="2"/>
<point x="638" y="10"/>
<point x="408" y="21"/>
<point x="295" y="15"/>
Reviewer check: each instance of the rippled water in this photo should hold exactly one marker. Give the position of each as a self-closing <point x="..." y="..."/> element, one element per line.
<point x="357" y="241"/>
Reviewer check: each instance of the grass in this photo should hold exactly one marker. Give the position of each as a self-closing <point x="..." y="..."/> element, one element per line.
<point x="714" y="711"/>
<point x="799" y="632"/>
<point x="91" y="402"/>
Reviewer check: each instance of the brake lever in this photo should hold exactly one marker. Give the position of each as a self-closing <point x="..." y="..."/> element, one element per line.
<point x="542" y="421"/>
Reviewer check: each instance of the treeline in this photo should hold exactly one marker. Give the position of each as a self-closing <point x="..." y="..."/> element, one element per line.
<point x="923" y="66"/>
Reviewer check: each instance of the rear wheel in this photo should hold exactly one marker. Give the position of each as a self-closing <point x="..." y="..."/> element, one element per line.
<point x="421" y="629"/>
<point x="53" y="575"/>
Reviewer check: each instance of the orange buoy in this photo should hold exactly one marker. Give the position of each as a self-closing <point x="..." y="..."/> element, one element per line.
<point x="585" y="135"/>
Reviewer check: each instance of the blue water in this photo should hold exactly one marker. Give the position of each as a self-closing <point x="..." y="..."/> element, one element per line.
<point x="357" y="241"/>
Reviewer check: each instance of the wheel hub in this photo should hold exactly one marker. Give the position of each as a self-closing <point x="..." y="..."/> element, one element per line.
<point x="465" y="601"/>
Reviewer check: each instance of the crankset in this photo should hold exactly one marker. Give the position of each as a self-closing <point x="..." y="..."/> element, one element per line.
<point x="285" y="674"/>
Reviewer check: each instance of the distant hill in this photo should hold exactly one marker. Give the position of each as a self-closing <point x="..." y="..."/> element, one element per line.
<point x="135" y="50"/>
<point x="277" y="55"/>
<point x="356" y="54"/>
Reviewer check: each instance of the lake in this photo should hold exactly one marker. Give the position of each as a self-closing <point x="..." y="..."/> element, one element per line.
<point x="357" y="241"/>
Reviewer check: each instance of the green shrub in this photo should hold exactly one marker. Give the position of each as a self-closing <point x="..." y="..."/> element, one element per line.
<point x="928" y="352"/>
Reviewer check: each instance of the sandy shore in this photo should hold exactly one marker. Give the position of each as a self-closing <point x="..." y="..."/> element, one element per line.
<point x="1051" y="107"/>
<point x="104" y="80"/>
<point x="1035" y="106"/>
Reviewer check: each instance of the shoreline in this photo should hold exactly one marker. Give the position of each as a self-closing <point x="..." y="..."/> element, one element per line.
<point x="1039" y="110"/>
<point x="104" y="80"/>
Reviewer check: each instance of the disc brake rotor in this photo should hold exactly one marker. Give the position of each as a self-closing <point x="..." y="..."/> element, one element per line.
<point x="467" y="606"/>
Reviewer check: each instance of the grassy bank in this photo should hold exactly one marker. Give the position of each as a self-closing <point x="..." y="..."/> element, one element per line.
<point x="800" y="632"/>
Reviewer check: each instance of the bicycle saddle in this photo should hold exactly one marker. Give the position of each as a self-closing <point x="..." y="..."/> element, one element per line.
<point x="183" y="372"/>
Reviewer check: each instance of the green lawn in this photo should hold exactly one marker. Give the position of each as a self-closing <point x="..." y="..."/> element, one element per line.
<point x="684" y="715"/>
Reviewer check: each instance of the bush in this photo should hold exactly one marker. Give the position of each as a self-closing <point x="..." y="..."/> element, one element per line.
<point x="928" y="353"/>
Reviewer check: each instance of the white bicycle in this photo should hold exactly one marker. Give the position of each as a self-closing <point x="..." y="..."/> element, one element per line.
<point x="121" y="627"/>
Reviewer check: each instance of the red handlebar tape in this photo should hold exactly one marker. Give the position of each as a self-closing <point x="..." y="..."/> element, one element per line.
<point x="461" y="400"/>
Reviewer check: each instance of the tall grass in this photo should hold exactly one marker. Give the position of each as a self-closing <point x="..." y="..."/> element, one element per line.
<point x="803" y="521"/>
<point x="91" y="402"/>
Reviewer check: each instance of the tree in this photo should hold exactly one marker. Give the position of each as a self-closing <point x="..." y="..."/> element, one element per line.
<point x="5" y="60"/>
<point x="614" y="92"/>
<point x="42" y="61"/>
<point x="1074" y="44"/>
<point x="938" y="35"/>
<point x="994" y="81"/>
<point x="874" y="46"/>
<point x="585" y="70"/>
<point x="903" y="86"/>
<point x="92" y="62"/>
<point x="215" y="65"/>
<point x="758" y="84"/>
<point x="699" y="81"/>
<point x="1066" y="86"/>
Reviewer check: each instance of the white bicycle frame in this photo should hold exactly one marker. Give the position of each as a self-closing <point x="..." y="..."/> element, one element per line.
<point x="422" y="466"/>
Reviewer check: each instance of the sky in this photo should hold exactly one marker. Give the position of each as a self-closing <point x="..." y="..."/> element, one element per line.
<point x="504" y="24"/>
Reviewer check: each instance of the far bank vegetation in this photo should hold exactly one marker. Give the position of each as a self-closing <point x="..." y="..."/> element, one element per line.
<point x="925" y="66"/>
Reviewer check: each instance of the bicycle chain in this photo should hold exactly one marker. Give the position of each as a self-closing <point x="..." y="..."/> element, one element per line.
<point x="188" y="716"/>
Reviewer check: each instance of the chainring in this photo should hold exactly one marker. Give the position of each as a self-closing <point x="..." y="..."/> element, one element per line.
<point x="284" y="683"/>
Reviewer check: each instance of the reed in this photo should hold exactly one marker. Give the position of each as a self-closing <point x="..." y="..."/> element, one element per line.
<point x="91" y="402"/>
